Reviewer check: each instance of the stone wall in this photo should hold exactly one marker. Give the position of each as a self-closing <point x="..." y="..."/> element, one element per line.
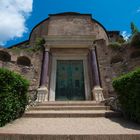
<point x="71" y="25"/>
<point x="25" y="62"/>
<point x="68" y="25"/>
<point x="39" y="31"/>
<point x="115" y="62"/>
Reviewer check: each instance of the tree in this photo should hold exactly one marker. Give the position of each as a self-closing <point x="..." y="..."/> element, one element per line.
<point x="134" y="29"/>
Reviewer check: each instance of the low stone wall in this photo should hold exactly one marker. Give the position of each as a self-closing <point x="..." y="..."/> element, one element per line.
<point x="25" y="62"/>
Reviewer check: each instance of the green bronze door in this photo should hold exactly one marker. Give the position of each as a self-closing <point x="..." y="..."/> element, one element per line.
<point x="70" y="80"/>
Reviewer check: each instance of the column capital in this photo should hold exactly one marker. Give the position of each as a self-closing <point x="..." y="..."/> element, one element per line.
<point x="93" y="45"/>
<point x="47" y="49"/>
<point x="92" y="48"/>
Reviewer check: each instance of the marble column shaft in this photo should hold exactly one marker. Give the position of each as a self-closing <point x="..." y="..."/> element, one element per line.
<point x="95" y="70"/>
<point x="45" y="69"/>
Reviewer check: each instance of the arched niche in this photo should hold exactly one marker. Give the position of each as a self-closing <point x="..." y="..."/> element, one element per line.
<point x="24" y="61"/>
<point x="5" y="56"/>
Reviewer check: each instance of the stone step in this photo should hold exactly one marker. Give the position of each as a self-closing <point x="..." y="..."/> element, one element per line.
<point x="66" y="107"/>
<point x="70" y="129"/>
<point x="70" y="103"/>
<point x="70" y="113"/>
<point x="69" y="137"/>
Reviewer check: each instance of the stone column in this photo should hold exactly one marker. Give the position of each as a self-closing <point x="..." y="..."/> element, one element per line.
<point x="97" y="91"/>
<point x="42" y="94"/>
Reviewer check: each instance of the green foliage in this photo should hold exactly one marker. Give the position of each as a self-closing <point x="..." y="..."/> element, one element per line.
<point x="114" y="45"/>
<point x="13" y="95"/>
<point x="40" y="41"/>
<point x="16" y="49"/>
<point x="134" y="29"/>
<point x="34" y="48"/>
<point x="135" y="40"/>
<point x="38" y="45"/>
<point x="128" y="89"/>
<point x="120" y="40"/>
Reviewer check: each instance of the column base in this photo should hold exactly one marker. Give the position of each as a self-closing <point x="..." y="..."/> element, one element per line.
<point x="98" y="94"/>
<point x="42" y="94"/>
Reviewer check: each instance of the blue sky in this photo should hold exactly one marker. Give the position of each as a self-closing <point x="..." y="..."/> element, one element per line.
<point x="20" y="16"/>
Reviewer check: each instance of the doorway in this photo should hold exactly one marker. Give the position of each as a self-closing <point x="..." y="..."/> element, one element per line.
<point x="70" y="84"/>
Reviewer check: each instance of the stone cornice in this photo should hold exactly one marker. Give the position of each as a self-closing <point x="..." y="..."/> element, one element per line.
<point x="69" y="41"/>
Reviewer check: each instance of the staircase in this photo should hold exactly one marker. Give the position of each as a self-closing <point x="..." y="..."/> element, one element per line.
<point x="70" y="109"/>
<point x="75" y="120"/>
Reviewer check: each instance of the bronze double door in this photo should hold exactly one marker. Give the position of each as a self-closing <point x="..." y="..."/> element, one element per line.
<point x="70" y="80"/>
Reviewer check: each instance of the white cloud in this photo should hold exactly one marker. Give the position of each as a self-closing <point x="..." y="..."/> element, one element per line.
<point x="13" y="15"/>
<point x="138" y="10"/>
<point x="125" y="35"/>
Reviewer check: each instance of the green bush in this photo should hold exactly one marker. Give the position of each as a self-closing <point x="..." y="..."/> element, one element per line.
<point x="128" y="90"/>
<point x="135" y="40"/>
<point x="13" y="96"/>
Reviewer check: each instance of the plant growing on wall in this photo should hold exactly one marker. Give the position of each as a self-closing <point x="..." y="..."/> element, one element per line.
<point x="38" y="44"/>
<point x="135" y="36"/>
<point x="114" y="45"/>
<point x="40" y="41"/>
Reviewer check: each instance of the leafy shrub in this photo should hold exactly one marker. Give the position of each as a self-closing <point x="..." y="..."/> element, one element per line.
<point x="128" y="90"/>
<point x="135" y="40"/>
<point x="13" y="96"/>
<point x="114" y="45"/>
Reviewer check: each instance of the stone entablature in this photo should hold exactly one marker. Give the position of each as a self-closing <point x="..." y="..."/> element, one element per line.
<point x="69" y="41"/>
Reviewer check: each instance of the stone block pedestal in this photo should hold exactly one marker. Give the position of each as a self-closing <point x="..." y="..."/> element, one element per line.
<point x="42" y="94"/>
<point x="98" y="94"/>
